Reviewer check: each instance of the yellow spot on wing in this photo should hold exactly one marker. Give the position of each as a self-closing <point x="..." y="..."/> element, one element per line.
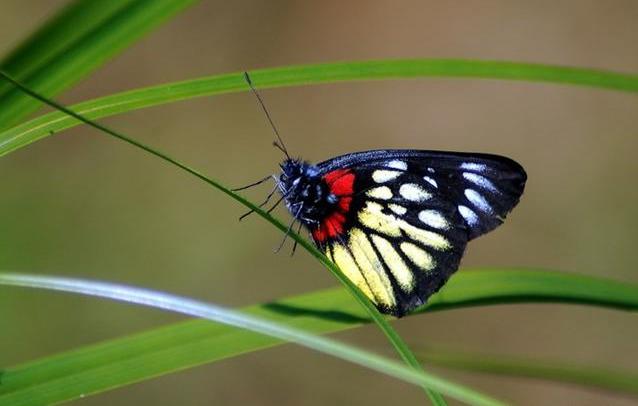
<point x="371" y="267"/>
<point x="418" y="256"/>
<point x="381" y="192"/>
<point x="372" y="217"/>
<point x="425" y="237"/>
<point x="394" y="261"/>
<point x="346" y="263"/>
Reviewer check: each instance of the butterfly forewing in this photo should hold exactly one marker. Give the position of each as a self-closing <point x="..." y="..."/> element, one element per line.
<point x="404" y="217"/>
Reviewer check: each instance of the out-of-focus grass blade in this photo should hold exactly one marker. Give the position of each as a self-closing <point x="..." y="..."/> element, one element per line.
<point x="76" y="42"/>
<point x="196" y="342"/>
<point x="43" y="126"/>
<point x="67" y="26"/>
<point x="614" y="380"/>
<point x="55" y="392"/>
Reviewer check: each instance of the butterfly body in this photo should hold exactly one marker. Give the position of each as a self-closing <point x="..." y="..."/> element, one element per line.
<point x="397" y="222"/>
<point x="308" y="197"/>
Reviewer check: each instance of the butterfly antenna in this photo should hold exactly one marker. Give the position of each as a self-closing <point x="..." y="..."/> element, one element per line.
<point x="279" y="142"/>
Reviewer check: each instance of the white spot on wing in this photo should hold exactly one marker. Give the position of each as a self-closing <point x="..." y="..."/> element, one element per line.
<point x="473" y="166"/>
<point x="431" y="170"/>
<point x="430" y="181"/>
<point x="478" y="200"/>
<point x="382" y="176"/>
<point x="396" y="164"/>
<point x="480" y="181"/>
<point x="469" y="216"/>
<point x="381" y="192"/>
<point x="400" y="210"/>
<point x="433" y="219"/>
<point x="413" y="192"/>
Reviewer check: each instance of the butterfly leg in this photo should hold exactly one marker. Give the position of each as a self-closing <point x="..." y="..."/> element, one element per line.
<point x="292" y="223"/>
<point x="276" y="204"/>
<point x="294" y="247"/>
<point x="265" y="202"/>
<point x="259" y="182"/>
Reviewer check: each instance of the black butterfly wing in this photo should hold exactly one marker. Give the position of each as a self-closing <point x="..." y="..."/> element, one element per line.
<point x="484" y="187"/>
<point x="411" y="215"/>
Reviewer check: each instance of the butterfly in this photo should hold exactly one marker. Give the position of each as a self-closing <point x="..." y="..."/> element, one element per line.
<point x="396" y="222"/>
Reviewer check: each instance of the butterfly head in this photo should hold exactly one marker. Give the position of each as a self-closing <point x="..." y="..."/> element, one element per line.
<point x="306" y="194"/>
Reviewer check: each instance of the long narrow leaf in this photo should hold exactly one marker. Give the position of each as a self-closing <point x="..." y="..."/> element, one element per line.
<point x="43" y="126"/>
<point x="54" y="392"/>
<point x="49" y="42"/>
<point x="187" y="344"/>
<point x="587" y="376"/>
<point x="105" y="38"/>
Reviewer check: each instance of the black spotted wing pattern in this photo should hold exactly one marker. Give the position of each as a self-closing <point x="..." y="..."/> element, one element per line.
<point x="411" y="215"/>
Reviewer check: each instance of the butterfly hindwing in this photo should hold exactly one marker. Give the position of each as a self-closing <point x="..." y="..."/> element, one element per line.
<point x="405" y="217"/>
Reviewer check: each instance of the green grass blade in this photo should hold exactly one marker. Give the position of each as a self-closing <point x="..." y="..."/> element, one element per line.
<point x="55" y="392"/>
<point x="187" y="344"/>
<point x="69" y="25"/>
<point x="591" y="377"/>
<point x="31" y="131"/>
<point x="383" y="325"/>
<point x="67" y="62"/>
<point x="512" y="285"/>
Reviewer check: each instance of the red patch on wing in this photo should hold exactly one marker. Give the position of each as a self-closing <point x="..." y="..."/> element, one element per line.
<point x="344" y="204"/>
<point x="330" y="177"/>
<point x="319" y="234"/>
<point x="341" y="183"/>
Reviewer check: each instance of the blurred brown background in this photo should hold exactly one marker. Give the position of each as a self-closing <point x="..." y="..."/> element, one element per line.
<point x="81" y="204"/>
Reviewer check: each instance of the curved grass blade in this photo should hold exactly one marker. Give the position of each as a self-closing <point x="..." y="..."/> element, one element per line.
<point x="590" y="377"/>
<point x="195" y="342"/>
<point x="394" y="338"/>
<point x="67" y="26"/>
<point x="51" y="123"/>
<point x="98" y="43"/>
<point x="54" y="392"/>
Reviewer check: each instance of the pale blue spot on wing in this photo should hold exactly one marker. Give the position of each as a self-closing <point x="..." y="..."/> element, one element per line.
<point x="430" y="181"/>
<point x="473" y="166"/>
<point x="478" y="200"/>
<point x="480" y="181"/>
<point x="469" y="216"/>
